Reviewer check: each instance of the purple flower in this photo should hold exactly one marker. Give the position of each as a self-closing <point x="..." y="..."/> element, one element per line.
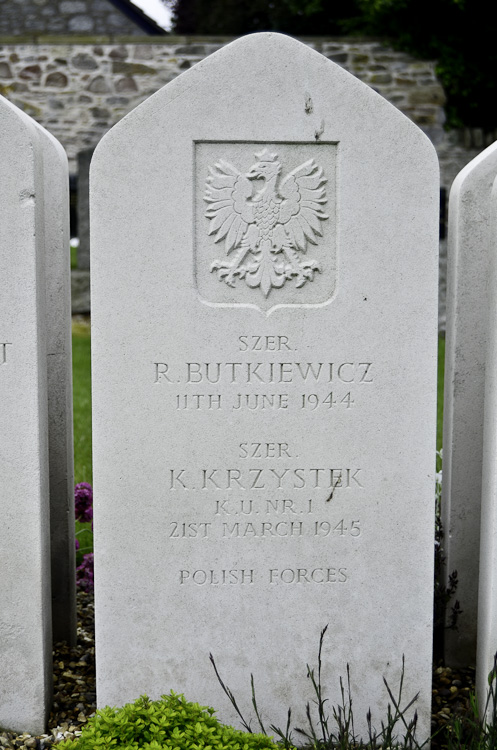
<point x="83" y="500"/>
<point x="77" y="544"/>
<point x="84" y="573"/>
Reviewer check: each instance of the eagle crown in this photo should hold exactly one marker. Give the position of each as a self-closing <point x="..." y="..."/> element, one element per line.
<point x="268" y="167"/>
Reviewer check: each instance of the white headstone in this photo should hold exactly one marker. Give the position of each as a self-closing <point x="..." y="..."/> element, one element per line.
<point x="469" y="248"/>
<point x="25" y="611"/>
<point x="264" y="438"/>
<point x="487" y="611"/>
<point x="59" y="369"/>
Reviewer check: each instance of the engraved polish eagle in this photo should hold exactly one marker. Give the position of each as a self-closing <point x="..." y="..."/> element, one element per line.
<point x="269" y="227"/>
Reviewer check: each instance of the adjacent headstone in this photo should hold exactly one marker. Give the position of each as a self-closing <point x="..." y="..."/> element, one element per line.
<point x="83" y="209"/>
<point x="469" y="250"/>
<point x="25" y="612"/>
<point x="264" y="292"/>
<point x="487" y="610"/>
<point x="59" y="370"/>
<point x="80" y="276"/>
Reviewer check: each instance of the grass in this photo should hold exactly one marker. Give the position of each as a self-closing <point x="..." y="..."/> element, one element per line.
<point x="81" y="369"/>
<point x="82" y="400"/>
<point x="74" y="255"/>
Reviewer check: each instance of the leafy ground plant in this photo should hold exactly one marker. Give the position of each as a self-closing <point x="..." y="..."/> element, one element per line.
<point x="171" y="722"/>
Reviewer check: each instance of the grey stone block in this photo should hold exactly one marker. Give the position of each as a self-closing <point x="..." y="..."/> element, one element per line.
<point x="80" y="292"/>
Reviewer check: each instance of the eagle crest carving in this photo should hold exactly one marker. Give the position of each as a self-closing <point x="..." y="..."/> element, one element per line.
<point x="265" y="228"/>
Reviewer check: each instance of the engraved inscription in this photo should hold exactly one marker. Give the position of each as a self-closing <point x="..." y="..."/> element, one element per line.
<point x="269" y="226"/>
<point x="233" y="577"/>
<point x="232" y="514"/>
<point x="232" y="529"/>
<point x="247" y="529"/>
<point x="329" y="385"/>
<point x="305" y="575"/>
<point x="261" y="401"/>
<point x="264" y="343"/>
<point x="267" y="373"/>
<point x="3" y="352"/>
<point x="264" y="479"/>
<point x="216" y="577"/>
<point x="243" y="515"/>
<point x="264" y="450"/>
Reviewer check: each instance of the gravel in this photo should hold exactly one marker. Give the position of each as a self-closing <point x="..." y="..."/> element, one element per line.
<point x="75" y="697"/>
<point x="451" y="689"/>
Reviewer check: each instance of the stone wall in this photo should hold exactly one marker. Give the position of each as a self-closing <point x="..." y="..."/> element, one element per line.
<point x="64" y="17"/>
<point x="79" y="87"/>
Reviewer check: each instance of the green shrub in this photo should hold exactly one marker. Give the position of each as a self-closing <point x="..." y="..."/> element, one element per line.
<point x="171" y="722"/>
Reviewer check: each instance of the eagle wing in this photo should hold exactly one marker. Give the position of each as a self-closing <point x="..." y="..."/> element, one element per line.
<point x="227" y="194"/>
<point x="303" y="196"/>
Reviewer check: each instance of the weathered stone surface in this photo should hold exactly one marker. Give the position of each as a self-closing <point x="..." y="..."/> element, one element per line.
<point x="84" y="62"/>
<point x="57" y="80"/>
<point x="5" y="71"/>
<point x="80" y="291"/>
<point x="99" y="113"/>
<point x="470" y="247"/>
<point x="143" y="52"/>
<point x="31" y="72"/>
<point x="132" y="69"/>
<point x="126" y="84"/>
<point x="99" y="85"/>
<point x="487" y="612"/>
<point x="56" y="16"/>
<point x="59" y="382"/>
<point x="273" y="422"/>
<point x="119" y="53"/>
<point x="25" y="612"/>
<point x="81" y="24"/>
<point x="427" y="95"/>
<point x="72" y="6"/>
<point x="377" y="78"/>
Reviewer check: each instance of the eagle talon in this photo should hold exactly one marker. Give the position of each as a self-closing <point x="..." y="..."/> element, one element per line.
<point x="225" y="272"/>
<point x="311" y="265"/>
